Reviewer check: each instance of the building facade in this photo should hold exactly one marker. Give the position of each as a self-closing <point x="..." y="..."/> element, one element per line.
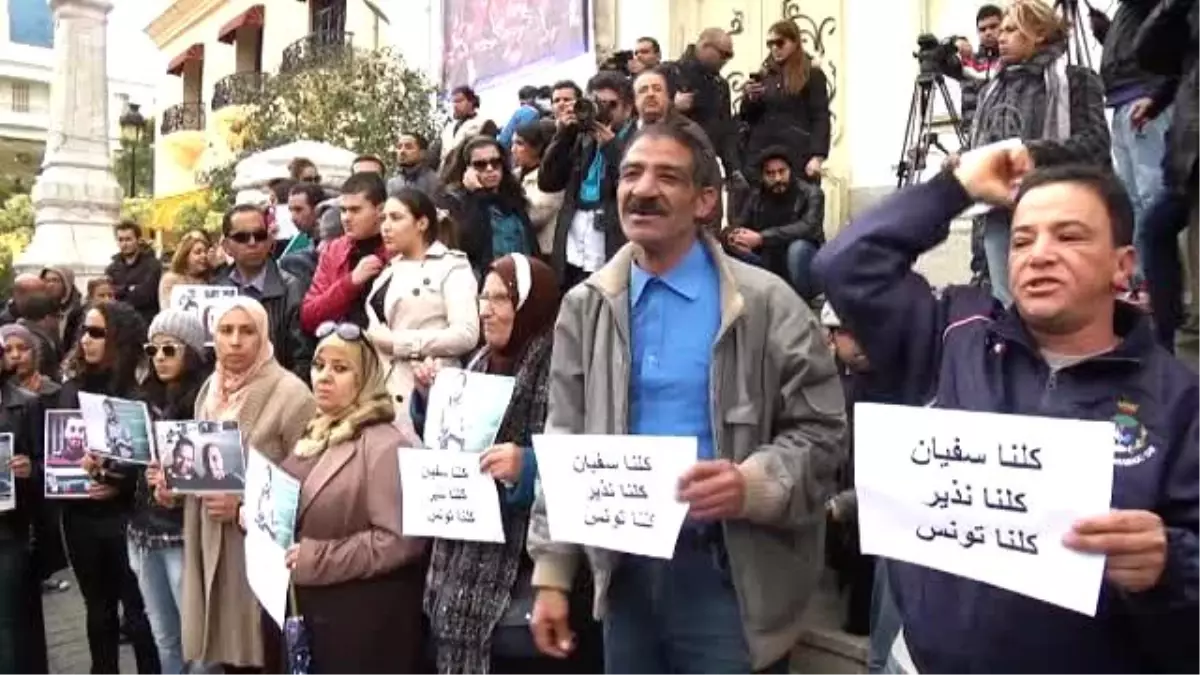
<point x="219" y="52"/>
<point x="26" y="69"/>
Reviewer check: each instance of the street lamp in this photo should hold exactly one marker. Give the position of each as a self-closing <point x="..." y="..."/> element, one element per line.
<point x="133" y="125"/>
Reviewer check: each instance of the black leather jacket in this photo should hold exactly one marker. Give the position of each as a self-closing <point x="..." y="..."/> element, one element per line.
<point x="282" y="296"/>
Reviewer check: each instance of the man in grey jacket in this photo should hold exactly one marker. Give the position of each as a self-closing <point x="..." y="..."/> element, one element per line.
<point x="413" y="168"/>
<point x="748" y="374"/>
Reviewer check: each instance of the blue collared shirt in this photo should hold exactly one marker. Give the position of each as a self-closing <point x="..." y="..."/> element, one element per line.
<point x="675" y="318"/>
<point x="258" y="283"/>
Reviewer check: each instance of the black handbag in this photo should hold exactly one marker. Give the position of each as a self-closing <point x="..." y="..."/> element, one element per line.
<point x="512" y="638"/>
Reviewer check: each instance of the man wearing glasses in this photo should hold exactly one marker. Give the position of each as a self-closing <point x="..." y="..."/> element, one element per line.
<point x="704" y="97"/>
<point x="254" y="273"/>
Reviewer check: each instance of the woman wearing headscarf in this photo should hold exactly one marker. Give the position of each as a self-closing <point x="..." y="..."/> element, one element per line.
<point x="478" y="595"/>
<point x="105" y="361"/>
<point x="60" y="282"/>
<point x="22" y="630"/>
<point x="222" y="622"/>
<point x="358" y="578"/>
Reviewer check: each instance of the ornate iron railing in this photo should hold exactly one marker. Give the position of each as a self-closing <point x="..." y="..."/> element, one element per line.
<point x="316" y="49"/>
<point x="183" y="117"/>
<point x="237" y="89"/>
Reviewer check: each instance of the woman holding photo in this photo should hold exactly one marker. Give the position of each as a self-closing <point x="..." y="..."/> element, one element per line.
<point x="222" y="622"/>
<point x="189" y="266"/>
<point x="358" y="578"/>
<point x="478" y="594"/>
<point x="104" y="361"/>
<point x="175" y="348"/>
<point x="22" y="629"/>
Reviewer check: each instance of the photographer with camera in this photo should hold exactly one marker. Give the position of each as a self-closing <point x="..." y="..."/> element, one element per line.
<point x="981" y="66"/>
<point x="563" y="96"/>
<point x="583" y="160"/>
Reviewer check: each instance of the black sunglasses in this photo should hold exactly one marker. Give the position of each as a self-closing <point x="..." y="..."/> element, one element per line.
<point x="774" y="44"/>
<point x="258" y="236"/>
<point x="485" y="164"/>
<point x="95" y="332"/>
<point x="168" y="350"/>
<point x="347" y="331"/>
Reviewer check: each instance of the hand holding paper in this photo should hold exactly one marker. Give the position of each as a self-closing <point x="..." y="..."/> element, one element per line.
<point x="713" y="489"/>
<point x="1134" y="541"/>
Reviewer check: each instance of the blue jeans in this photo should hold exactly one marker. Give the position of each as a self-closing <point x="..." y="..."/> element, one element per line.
<point x="1169" y="215"/>
<point x="675" y="616"/>
<point x="996" y="233"/>
<point x="1137" y="158"/>
<point x="800" y="254"/>
<point x="160" y="577"/>
<point x="885" y="622"/>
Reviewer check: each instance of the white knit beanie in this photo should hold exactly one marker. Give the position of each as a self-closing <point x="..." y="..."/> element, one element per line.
<point x="183" y="326"/>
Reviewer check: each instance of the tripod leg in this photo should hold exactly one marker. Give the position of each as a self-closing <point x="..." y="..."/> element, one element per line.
<point x="954" y="116"/>
<point x="903" y="165"/>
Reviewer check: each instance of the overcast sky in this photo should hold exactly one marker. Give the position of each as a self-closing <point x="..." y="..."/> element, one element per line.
<point x="131" y="53"/>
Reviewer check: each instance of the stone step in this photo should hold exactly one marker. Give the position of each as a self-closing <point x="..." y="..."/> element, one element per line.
<point x="824" y="647"/>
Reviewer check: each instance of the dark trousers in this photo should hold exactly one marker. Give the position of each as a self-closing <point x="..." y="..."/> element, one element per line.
<point x="99" y="555"/>
<point x="1169" y="215"/>
<point x="22" y="626"/>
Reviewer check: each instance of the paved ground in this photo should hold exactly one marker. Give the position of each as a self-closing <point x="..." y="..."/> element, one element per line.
<point x="66" y="634"/>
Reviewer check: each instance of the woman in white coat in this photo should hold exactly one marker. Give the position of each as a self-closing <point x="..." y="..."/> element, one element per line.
<point x="425" y="303"/>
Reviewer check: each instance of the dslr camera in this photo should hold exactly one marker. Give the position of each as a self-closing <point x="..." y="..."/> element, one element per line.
<point x="938" y="57"/>
<point x="588" y="113"/>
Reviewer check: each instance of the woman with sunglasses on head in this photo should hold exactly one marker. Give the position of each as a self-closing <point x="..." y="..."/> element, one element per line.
<point x="178" y="368"/>
<point x="478" y="594"/>
<point x="222" y="622"/>
<point x="787" y="103"/>
<point x="487" y="203"/>
<point x="358" y="578"/>
<point x="189" y="266"/>
<point x="105" y="361"/>
<point x="423" y="303"/>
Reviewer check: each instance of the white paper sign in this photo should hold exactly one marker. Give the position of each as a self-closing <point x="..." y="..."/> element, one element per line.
<point x="271" y="500"/>
<point x="8" y="487"/>
<point x="445" y="495"/>
<point x="615" y="492"/>
<point x="465" y="409"/>
<point x="199" y="300"/>
<point x="984" y="496"/>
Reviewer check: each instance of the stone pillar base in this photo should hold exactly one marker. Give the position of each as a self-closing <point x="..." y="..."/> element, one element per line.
<point x="76" y="210"/>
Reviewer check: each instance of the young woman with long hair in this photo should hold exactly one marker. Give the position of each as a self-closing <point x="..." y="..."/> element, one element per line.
<point x="105" y="361"/>
<point x="423" y="303"/>
<point x="487" y="204"/>
<point x="787" y="103"/>
<point x="189" y="265"/>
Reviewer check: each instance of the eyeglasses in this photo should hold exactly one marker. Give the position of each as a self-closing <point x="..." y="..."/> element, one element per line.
<point x="494" y="298"/>
<point x="347" y="331"/>
<point x="777" y="43"/>
<point x="168" y="350"/>
<point x="485" y="164"/>
<point x="95" y="332"/>
<point x="310" y="179"/>
<point x="258" y="236"/>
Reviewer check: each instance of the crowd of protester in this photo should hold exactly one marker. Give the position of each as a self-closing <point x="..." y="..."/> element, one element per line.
<point x="560" y="249"/>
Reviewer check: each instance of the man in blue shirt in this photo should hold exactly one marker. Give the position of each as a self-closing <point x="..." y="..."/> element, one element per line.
<point x="527" y="112"/>
<point x="672" y="337"/>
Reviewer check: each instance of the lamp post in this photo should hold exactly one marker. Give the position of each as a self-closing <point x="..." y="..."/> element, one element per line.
<point x="133" y="125"/>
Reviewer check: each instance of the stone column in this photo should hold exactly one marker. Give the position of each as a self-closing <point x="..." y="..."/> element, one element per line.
<point x="77" y="199"/>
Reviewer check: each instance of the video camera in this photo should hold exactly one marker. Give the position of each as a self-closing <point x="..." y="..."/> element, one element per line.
<point x="587" y="113"/>
<point x="938" y="57"/>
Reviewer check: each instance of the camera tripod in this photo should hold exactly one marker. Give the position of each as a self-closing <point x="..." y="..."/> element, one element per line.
<point x="1077" y="31"/>
<point x="919" y="135"/>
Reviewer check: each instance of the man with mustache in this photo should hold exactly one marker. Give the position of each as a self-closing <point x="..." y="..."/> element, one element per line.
<point x="1066" y="348"/>
<point x="782" y="223"/>
<point x="675" y="338"/>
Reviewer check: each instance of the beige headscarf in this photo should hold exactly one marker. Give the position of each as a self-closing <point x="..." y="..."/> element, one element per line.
<point x="227" y="391"/>
<point x="372" y="405"/>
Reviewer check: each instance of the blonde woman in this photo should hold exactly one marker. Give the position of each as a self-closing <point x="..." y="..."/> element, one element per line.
<point x="358" y="579"/>
<point x="1038" y="96"/>
<point x="222" y="622"/>
<point x="189" y="265"/>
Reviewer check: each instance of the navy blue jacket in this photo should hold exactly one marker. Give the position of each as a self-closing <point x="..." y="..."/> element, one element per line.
<point x="963" y="350"/>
